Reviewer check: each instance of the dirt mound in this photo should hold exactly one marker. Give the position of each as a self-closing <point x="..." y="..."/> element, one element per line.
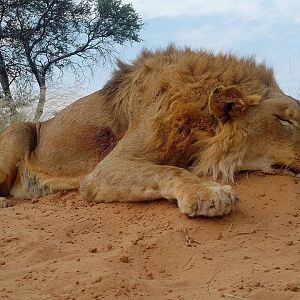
<point x="58" y="247"/>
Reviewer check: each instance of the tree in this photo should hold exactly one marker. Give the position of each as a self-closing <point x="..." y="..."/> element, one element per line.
<point x="5" y="84"/>
<point x="43" y="36"/>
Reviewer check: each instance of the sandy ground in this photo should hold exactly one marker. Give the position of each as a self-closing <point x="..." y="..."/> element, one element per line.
<point x="59" y="247"/>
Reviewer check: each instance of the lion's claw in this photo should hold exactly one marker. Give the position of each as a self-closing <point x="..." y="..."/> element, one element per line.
<point x="208" y="200"/>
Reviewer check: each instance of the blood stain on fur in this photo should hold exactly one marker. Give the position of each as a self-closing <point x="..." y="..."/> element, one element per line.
<point x="105" y="140"/>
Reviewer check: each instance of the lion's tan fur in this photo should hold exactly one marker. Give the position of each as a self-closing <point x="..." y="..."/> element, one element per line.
<point x="167" y="112"/>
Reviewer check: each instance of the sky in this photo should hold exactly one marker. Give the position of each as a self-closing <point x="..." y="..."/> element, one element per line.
<point x="268" y="29"/>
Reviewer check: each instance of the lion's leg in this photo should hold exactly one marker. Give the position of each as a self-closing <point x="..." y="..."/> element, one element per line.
<point x="16" y="143"/>
<point x="132" y="180"/>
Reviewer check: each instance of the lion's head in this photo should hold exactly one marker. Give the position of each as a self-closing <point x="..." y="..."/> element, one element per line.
<point x="253" y="133"/>
<point x="275" y="138"/>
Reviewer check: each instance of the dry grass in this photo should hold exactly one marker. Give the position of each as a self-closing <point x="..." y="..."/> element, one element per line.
<point x="58" y="97"/>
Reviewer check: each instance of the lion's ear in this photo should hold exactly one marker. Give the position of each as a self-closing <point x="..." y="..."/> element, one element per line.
<point x="227" y="103"/>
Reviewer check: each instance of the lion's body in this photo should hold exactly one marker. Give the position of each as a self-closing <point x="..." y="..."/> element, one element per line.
<point x="156" y="117"/>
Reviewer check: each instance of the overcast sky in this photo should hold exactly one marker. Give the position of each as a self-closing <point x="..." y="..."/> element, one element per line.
<point x="268" y="29"/>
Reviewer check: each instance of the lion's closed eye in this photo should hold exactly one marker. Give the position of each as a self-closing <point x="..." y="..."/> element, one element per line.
<point x="285" y="122"/>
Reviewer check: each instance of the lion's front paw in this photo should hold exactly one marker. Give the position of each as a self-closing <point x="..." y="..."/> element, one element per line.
<point x="210" y="200"/>
<point x="4" y="202"/>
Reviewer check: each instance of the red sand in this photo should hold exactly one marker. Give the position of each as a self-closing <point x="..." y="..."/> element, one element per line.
<point x="58" y="247"/>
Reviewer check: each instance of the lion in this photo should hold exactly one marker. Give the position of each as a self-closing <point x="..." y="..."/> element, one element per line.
<point x="157" y="129"/>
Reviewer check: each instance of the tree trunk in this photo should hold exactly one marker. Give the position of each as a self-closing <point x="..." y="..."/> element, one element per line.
<point x="4" y="81"/>
<point x="42" y="99"/>
<point x="40" y="78"/>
